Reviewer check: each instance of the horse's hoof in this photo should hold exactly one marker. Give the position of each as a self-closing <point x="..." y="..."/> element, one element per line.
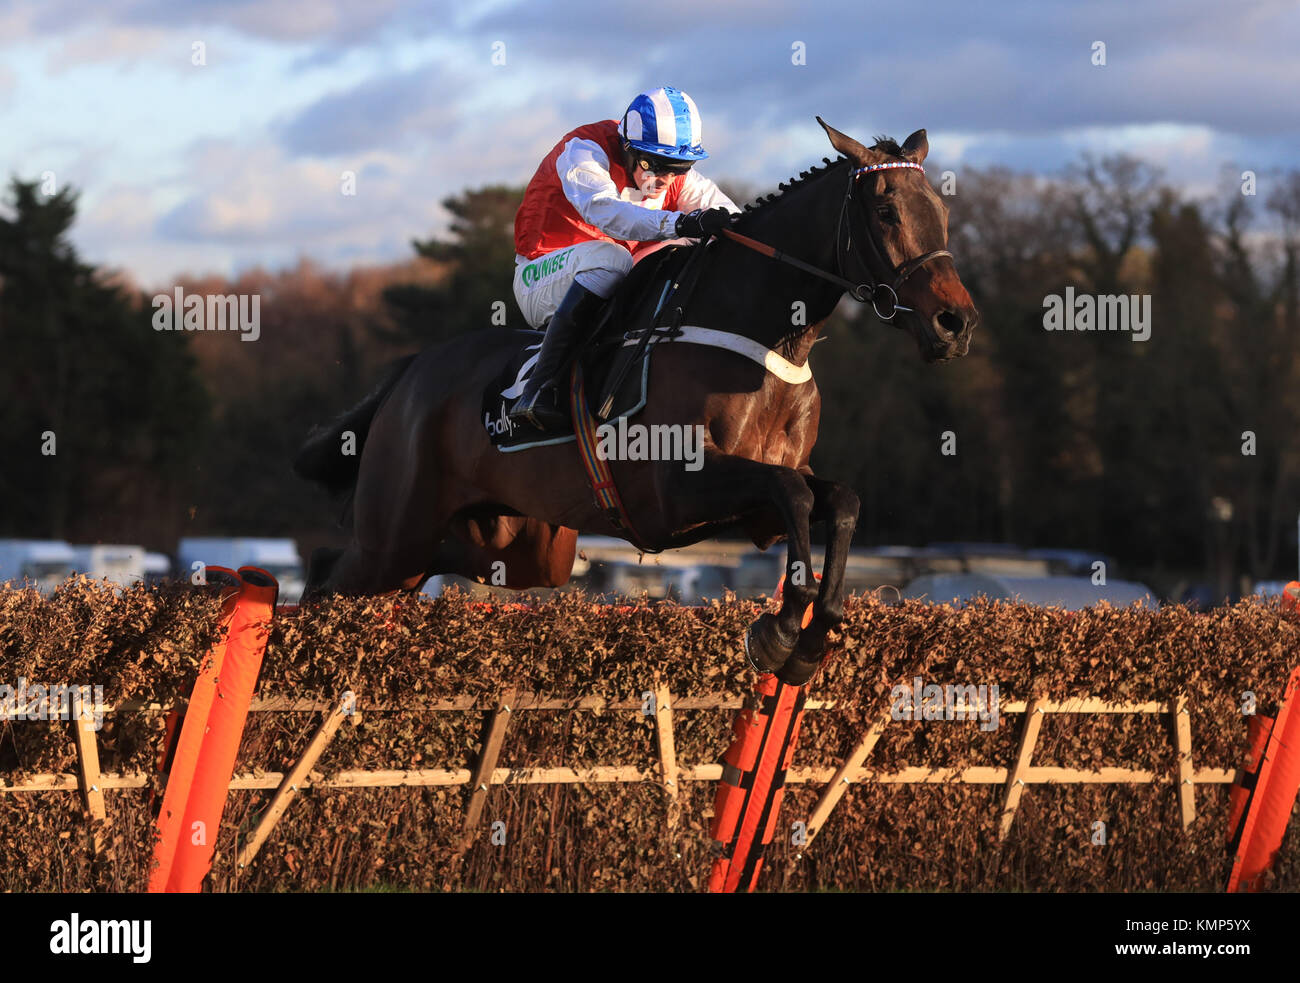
<point x="765" y="647"/>
<point x="797" y="670"/>
<point x="807" y="656"/>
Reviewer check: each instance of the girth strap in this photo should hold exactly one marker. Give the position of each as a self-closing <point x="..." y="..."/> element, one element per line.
<point x="599" y="475"/>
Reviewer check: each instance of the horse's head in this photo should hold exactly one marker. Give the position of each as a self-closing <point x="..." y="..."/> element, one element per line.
<point x="898" y="233"/>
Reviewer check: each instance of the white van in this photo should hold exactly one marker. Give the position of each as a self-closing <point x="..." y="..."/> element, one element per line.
<point x="118" y="564"/>
<point x="157" y="568"/>
<point x="278" y="557"/>
<point x="39" y="563"/>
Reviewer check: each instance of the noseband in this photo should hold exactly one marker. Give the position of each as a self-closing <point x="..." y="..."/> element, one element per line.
<point x="878" y="293"/>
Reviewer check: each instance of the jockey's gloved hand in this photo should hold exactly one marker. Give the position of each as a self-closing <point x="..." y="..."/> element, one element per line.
<point x="698" y="224"/>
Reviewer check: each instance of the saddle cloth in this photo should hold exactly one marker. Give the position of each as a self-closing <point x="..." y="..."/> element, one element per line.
<point x="509" y="384"/>
<point x="631" y="308"/>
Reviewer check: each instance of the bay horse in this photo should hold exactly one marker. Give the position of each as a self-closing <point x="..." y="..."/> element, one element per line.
<point x="430" y="494"/>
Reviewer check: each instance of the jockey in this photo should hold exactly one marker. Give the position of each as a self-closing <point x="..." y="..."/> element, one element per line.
<point x="604" y="192"/>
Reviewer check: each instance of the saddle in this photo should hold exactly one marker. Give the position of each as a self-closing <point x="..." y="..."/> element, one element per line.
<point x="614" y="371"/>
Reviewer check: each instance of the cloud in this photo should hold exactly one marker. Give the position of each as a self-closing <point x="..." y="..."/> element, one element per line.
<point x="121" y="44"/>
<point x="1025" y="66"/>
<point x="118" y="212"/>
<point x="241" y="165"/>
<point x="250" y="206"/>
<point x="231" y="204"/>
<point x="392" y="111"/>
<point x="333" y="21"/>
<point x="250" y="196"/>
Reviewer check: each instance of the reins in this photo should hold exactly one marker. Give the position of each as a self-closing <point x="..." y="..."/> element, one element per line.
<point x="877" y="294"/>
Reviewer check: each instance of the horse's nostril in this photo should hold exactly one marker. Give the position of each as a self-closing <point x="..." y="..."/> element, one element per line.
<point x="948" y="322"/>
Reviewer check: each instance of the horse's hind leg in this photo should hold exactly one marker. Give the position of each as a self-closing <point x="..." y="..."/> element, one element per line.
<point x="319" y="569"/>
<point x="398" y="518"/>
<point x="359" y="571"/>
<point x="353" y="571"/>
<point x="393" y="543"/>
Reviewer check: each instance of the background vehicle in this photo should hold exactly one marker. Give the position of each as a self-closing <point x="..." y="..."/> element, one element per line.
<point x="278" y="557"/>
<point x="1071" y="593"/>
<point x="157" y="568"/>
<point x="119" y="564"/>
<point x="40" y="563"/>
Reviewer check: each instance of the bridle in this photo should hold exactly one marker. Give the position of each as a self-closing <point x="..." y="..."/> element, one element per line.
<point x="870" y="291"/>
<point x="883" y="297"/>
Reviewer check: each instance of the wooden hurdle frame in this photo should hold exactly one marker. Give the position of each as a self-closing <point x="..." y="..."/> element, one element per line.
<point x="668" y="775"/>
<point x="1022" y="773"/>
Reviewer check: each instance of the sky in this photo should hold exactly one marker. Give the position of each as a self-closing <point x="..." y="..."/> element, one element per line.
<point x="238" y="161"/>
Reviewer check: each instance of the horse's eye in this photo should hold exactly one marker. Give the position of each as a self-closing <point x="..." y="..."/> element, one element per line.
<point x="886" y="213"/>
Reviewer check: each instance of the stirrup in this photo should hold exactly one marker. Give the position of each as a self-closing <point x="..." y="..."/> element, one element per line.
<point x="541" y="411"/>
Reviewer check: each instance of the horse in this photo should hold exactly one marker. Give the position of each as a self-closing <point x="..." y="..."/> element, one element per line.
<point x="430" y="495"/>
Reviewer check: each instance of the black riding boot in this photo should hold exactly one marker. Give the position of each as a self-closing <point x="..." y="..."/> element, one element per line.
<point x="539" y="405"/>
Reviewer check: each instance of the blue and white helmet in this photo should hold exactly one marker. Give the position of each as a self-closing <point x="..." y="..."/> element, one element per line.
<point x="664" y="122"/>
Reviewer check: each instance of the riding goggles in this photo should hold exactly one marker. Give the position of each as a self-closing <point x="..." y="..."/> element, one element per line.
<point x="659" y="166"/>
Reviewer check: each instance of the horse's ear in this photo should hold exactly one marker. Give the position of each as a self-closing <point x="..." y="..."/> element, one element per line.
<point x="916" y="147"/>
<point x="847" y="145"/>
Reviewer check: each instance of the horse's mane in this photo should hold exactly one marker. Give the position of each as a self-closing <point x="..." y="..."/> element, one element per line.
<point x="884" y="144"/>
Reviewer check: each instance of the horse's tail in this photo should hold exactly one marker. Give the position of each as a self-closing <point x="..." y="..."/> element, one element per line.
<point x="320" y="460"/>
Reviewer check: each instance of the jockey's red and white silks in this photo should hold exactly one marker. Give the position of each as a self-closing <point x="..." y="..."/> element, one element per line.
<point x="581" y="191"/>
<point x="581" y="195"/>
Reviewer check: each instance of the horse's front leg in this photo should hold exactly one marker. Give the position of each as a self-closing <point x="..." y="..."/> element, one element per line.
<point x="837" y="507"/>
<point x="733" y="488"/>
